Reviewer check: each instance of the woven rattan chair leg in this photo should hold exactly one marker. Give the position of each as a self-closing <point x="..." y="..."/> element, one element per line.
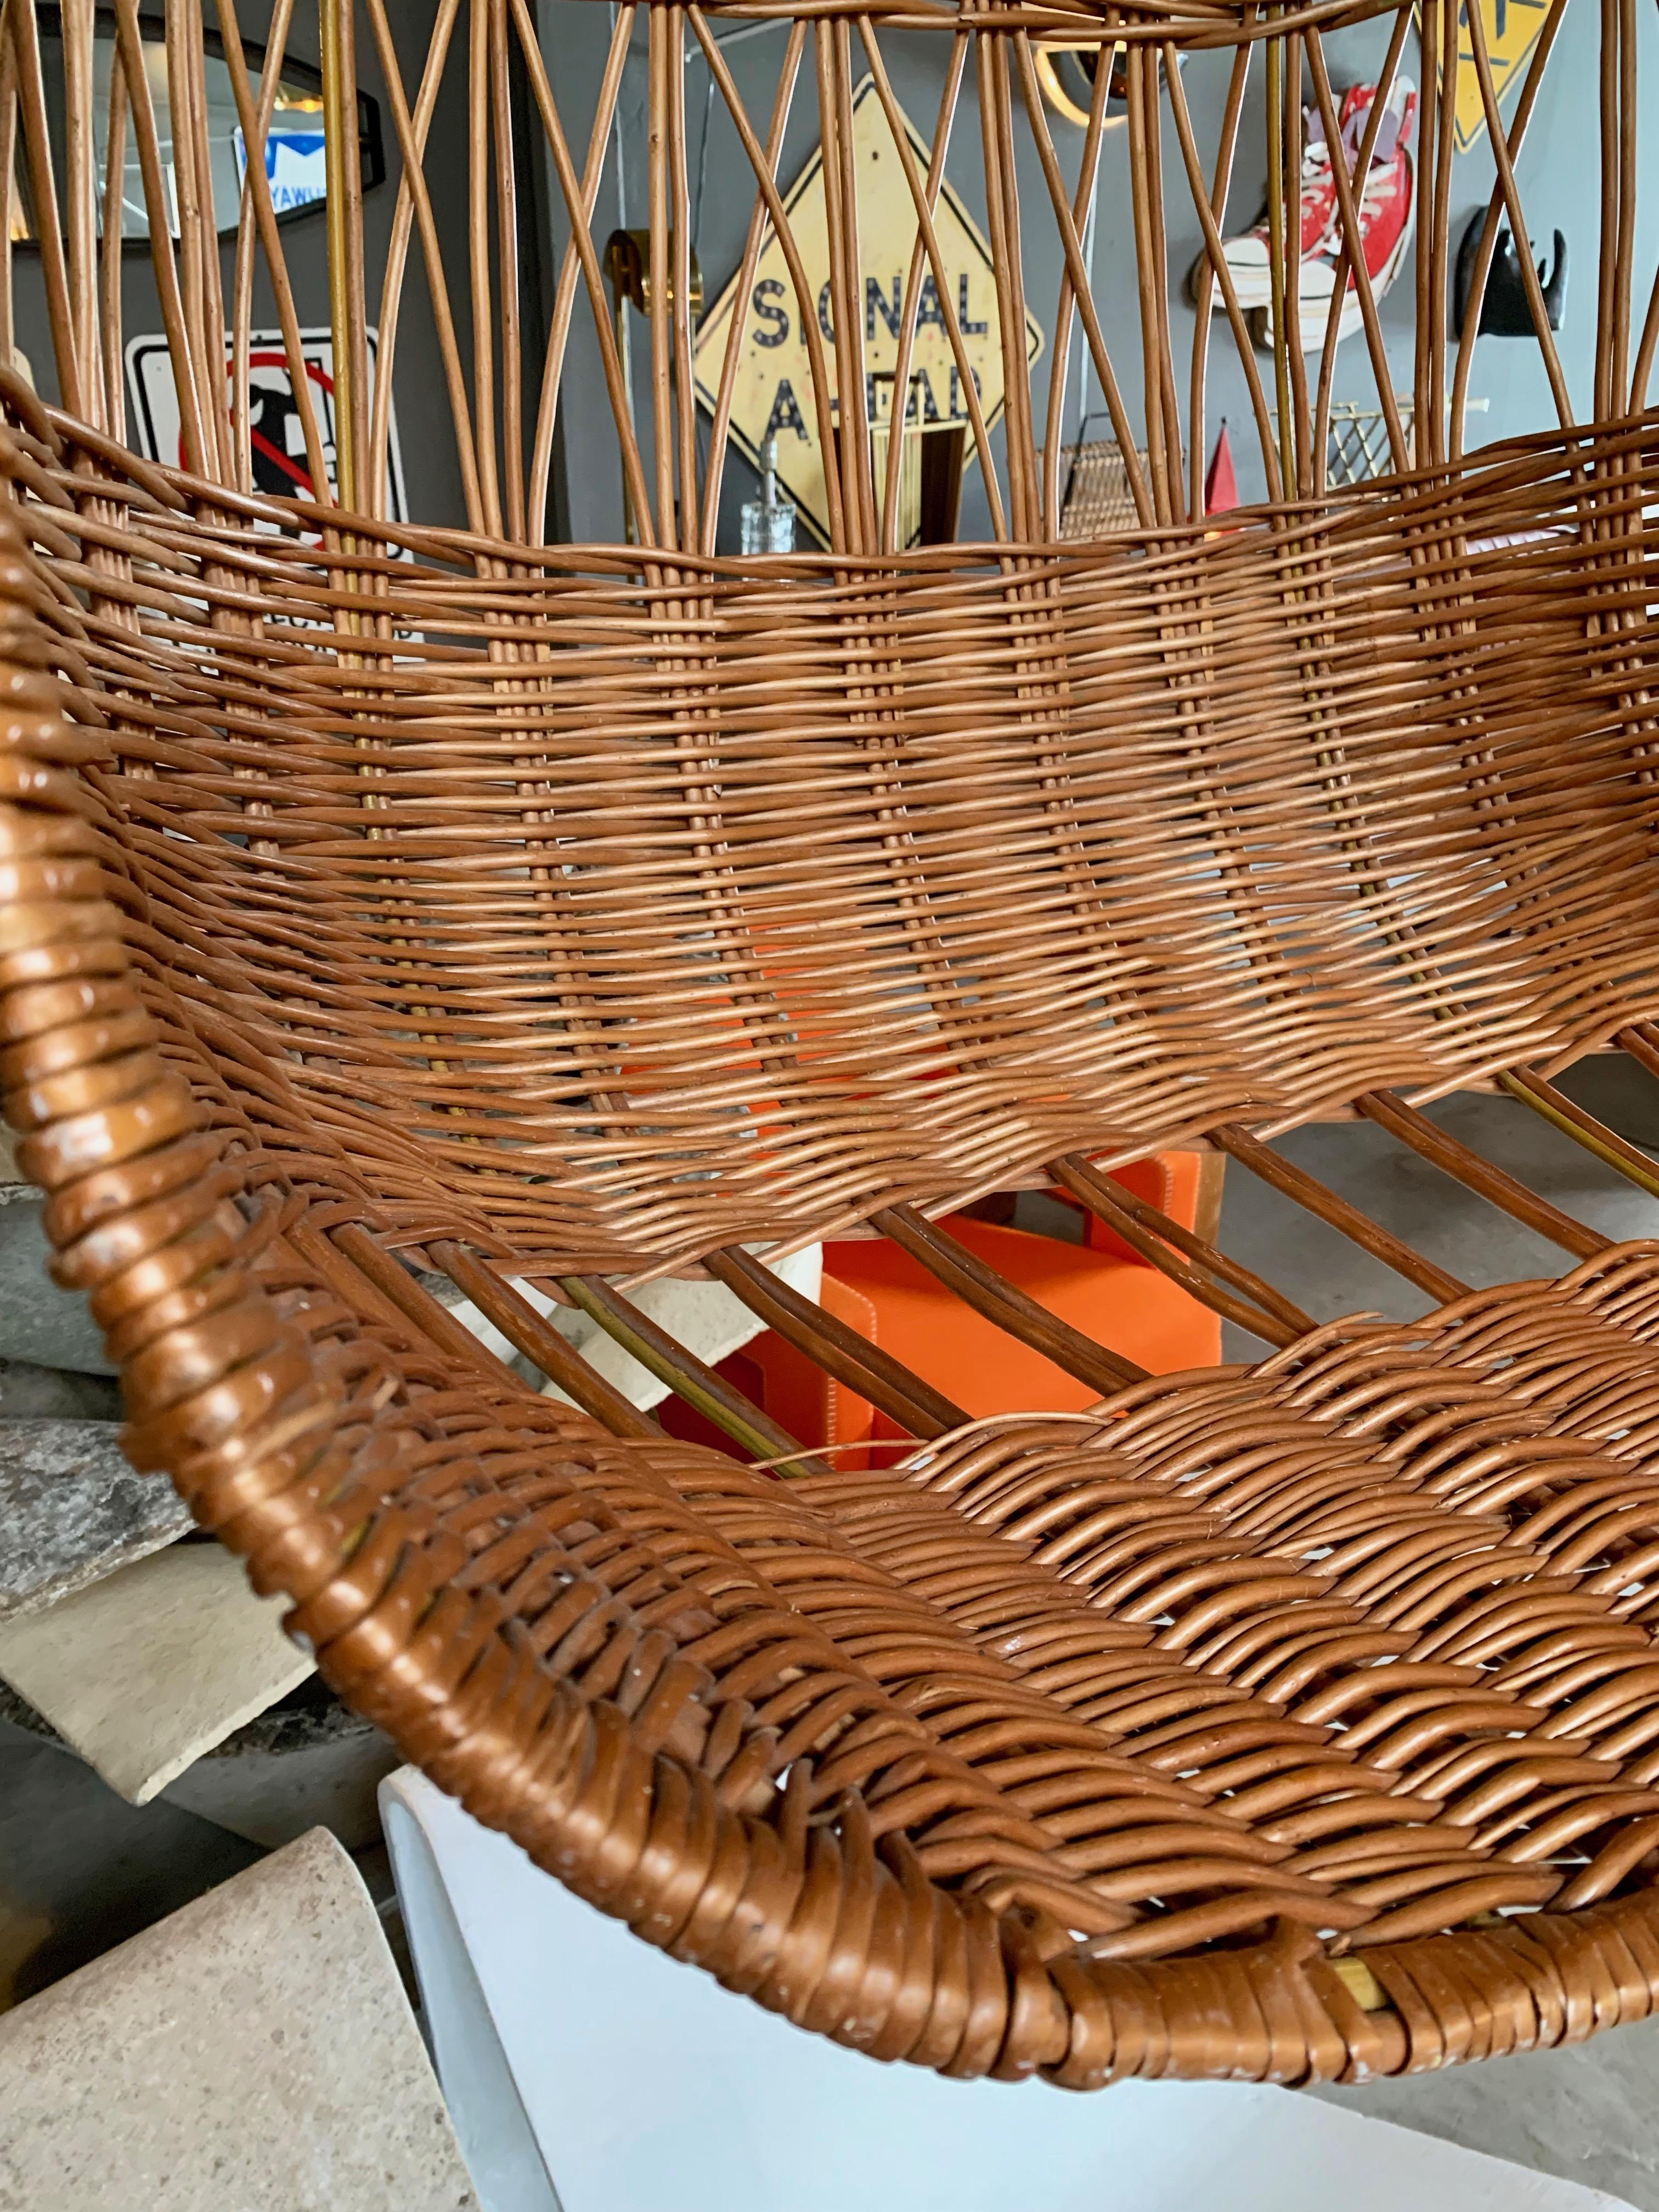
<point x="537" y="1340"/>
<point x="1005" y="1302"/>
<point x="1308" y="1191"/>
<point x="887" y="1383"/>
<point x="1443" y="1151"/>
<point x="1583" y="1127"/>
<point x="1150" y="1231"/>
<point x="686" y="1376"/>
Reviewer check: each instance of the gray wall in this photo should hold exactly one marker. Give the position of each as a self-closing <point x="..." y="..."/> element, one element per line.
<point x="1558" y="174"/>
<point x="1559" y="178"/>
<point x="431" y="470"/>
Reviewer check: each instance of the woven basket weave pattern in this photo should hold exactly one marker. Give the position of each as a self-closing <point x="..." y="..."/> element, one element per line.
<point x="378" y="905"/>
<point x="1104" y="851"/>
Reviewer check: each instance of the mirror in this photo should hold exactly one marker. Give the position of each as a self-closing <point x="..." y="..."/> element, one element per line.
<point x="295" y="161"/>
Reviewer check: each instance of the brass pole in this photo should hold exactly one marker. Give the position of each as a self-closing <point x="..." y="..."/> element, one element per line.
<point x="339" y="148"/>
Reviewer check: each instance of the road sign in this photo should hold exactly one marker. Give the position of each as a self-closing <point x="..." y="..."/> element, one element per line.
<point x="296" y="166"/>
<point x="773" y="391"/>
<point x="275" y="435"/>
<point x="1512" y="29"/>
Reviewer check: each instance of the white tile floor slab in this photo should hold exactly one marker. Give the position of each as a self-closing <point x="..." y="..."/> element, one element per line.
<point x="150" y="1668"/>
<point x="571" y="2049"/>
<point x="253" y="2053"/>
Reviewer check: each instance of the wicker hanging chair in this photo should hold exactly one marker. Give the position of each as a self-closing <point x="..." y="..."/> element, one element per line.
<point x="386" y="903"/>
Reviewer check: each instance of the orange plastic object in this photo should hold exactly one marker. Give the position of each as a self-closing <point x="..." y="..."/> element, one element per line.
<point x="1099" y="1285"/>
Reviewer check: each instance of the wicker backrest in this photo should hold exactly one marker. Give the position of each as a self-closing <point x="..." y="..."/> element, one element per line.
<point x="382" y="899"/>
<point x="647" y="928"/>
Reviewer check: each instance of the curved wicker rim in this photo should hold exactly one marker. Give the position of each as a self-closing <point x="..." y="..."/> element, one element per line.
<point x="832" y="1925"/>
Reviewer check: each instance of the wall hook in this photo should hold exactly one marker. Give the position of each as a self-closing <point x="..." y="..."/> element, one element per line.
<point x="1505" y="311"/>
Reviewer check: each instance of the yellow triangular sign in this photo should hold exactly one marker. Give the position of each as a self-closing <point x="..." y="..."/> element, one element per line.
<point x="774" y="391"/>
<point x="1512" y="29"/>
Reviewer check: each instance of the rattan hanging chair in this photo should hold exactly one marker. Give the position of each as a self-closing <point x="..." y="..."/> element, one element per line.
<point x="387" y="903"/>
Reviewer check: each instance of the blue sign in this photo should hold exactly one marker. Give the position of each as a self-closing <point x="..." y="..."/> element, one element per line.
<point x="295" y="166"/>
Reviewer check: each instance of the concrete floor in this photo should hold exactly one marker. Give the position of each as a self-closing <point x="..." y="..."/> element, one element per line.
<point x="1589" y="2114"/>
<point x="80" y="1869"/>
<point x="1329" y="1276"/>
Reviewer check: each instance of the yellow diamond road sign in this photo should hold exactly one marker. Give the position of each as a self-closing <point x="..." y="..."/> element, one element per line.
<point x="774" y="391"/>
<point x="1512" y="29"/>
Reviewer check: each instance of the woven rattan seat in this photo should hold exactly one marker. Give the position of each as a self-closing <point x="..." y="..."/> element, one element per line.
<point x="396" y="911"/>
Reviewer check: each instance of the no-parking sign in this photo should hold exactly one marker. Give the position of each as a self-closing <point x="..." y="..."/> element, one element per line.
<point x="275" y="426"/>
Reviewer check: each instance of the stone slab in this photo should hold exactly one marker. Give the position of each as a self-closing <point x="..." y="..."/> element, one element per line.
<point x="151" y="1668"/>
<point x="287" y="1772"/>
<point x="271" y="1780"/>
<point x="38" y="1321"/>
<point x="32" y="1393"/>
<point x="72" y="1510"/>
<point x="255" y="2052"/>
<point x="82" y="1871"/>
<point x="12" y="1183"/>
